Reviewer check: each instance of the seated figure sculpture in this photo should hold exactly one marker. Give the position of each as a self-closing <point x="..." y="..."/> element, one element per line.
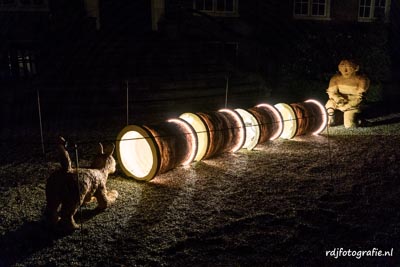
<point x="346" y="93"/>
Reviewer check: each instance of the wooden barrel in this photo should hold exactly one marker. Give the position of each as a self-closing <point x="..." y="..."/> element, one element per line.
<point x="270" y="121"/>
<point x="289" y="120"/>
<point x="146" y="151"/>
<point x="311" y="117"/>
<point x="308" y="117"/>
<point x="203" y="135"/>
<point x="222" y="131"/>
<point x="252" y="128"/>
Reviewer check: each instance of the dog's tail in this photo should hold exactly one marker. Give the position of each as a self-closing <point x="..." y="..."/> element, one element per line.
<point x="64" y="158"/>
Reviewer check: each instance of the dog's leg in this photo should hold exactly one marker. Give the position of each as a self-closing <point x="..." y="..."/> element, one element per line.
<point x="104" y="198"/>
<point x="112" y="196"/>
<point x="53" y="200"/>
<point x="51" y="213"/>
<point x="68" y="210"/>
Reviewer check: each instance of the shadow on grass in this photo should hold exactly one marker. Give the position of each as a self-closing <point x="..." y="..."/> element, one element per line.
<point x="33" y="236"/>
<point x="29" y="238"/>
<point x="374" y="115"/>
<point x="381" y="114"/>
<point x="385" y="120"/>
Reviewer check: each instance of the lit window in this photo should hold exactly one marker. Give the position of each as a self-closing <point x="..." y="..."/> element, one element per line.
<point x="370" y="10"/>
<point x="217" y="7"/>
<point x="311" y="9"/>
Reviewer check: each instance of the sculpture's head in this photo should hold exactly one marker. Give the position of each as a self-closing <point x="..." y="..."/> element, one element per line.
<point x="348" y="68"/>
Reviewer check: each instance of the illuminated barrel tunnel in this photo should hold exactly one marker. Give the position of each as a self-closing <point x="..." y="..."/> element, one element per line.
<point x="146" y="151"/>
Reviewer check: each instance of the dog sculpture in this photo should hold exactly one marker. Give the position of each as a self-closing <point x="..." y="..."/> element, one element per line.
<point x="71" y="187"/>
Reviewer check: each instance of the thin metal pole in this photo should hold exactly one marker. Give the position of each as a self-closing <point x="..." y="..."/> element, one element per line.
<point x="79" y="196"/>
<point x="127" y="102"/>
<point x="226" y="91"/>
<point x="40" y="120"/>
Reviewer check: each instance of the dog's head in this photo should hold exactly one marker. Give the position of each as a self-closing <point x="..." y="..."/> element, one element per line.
<point x="104" y="159"/>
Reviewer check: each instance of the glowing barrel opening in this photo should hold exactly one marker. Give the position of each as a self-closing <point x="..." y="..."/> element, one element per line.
<point x="201" y="131"/>
<point x="138" y="153"/>
<point x="146" y="151"/>
<point x="289" y="120"/>
<point x="252" y="128"/>
<point x="321" y="114"/>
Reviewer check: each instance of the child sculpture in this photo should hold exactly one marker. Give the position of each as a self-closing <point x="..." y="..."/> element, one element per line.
<point x="346" y="93"/>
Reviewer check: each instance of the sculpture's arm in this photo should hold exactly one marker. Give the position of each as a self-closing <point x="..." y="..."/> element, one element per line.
<point x="333" y="91"/>
<point x="362" y="88"/>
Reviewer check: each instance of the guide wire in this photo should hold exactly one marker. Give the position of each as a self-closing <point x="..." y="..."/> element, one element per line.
<point x="111" y="140"/>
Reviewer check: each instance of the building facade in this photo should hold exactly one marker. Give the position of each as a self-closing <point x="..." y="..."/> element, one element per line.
<point x="72" y="38"/>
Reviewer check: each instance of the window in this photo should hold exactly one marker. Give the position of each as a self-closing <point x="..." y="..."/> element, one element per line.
<point x="21" y="63"/>
<point x="217" y="7"/>
<point x="318" y="8"/>
<point x="26" y="63"/>
<point x="18" y="64"/>
<point x="301" y="7"/>
<point x="311" y="9"/>
<point x="370" y="10"/>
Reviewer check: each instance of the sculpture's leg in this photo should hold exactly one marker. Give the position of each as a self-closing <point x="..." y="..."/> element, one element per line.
<point x="350" y="118"/>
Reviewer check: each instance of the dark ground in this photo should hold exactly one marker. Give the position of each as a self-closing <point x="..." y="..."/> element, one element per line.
<point x="284" y="204"/>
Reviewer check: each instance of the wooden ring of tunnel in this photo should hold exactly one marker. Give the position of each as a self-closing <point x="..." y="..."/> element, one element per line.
<point x="218" y="131"/>
<point x="146" y="151"/>
<point x="270" y="121"/>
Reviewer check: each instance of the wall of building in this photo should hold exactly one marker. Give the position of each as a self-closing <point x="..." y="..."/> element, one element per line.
<point x="344" y="10"/>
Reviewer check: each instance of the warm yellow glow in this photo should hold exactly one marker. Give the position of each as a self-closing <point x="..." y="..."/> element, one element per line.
<point x="137" y="153"/>
<point x="251" y="127"/>
<point x="242" y="133"/>
<point x="324" y="116"/>
<point x="202" y="133"/>
<point x="188" y="131"/>
<point x="289" y="120"/>
<point x="277" y="119"/>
